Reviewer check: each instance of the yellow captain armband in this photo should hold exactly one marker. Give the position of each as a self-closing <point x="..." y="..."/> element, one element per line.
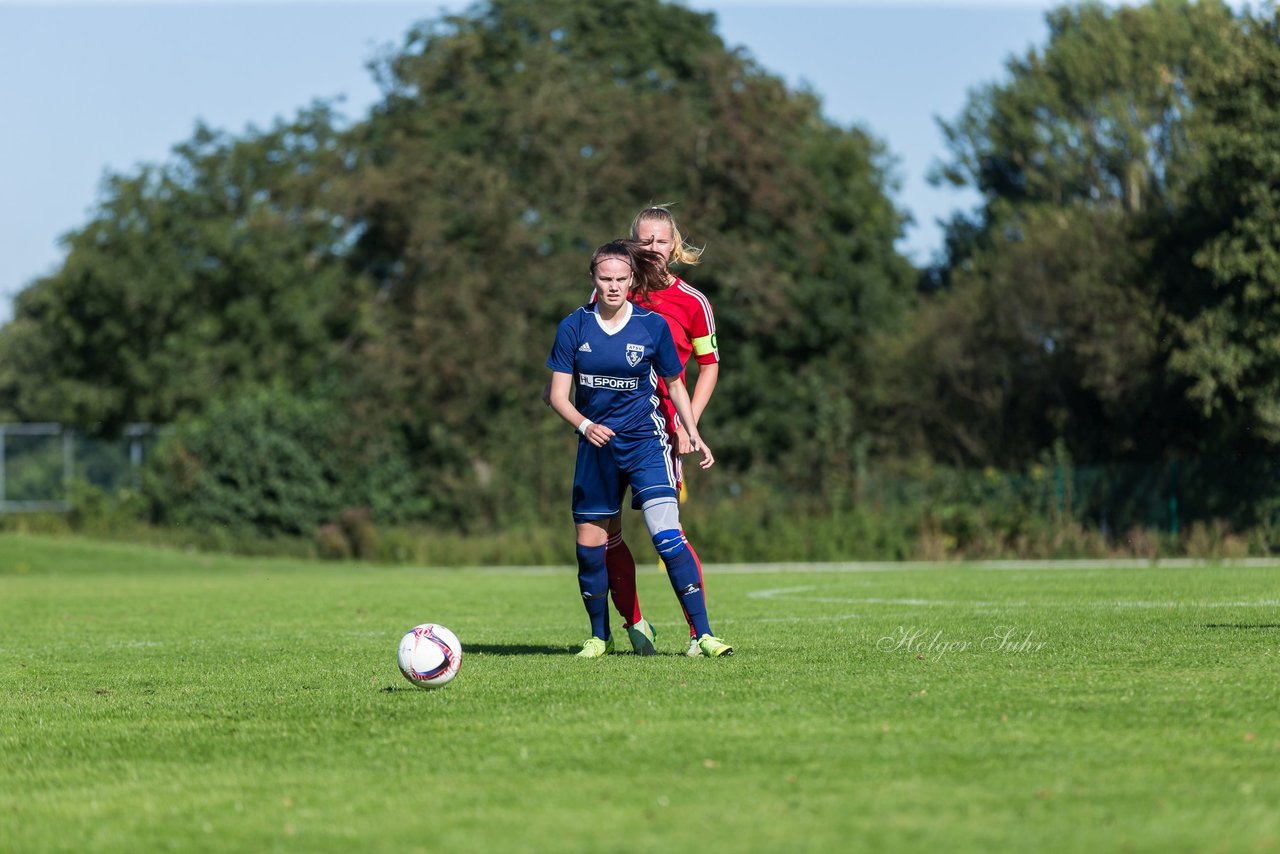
<point x="704" y="345"/>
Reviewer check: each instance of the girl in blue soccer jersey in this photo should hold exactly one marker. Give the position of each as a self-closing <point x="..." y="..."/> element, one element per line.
<point x="613" y="352"/>
<point x="691" y="320"/>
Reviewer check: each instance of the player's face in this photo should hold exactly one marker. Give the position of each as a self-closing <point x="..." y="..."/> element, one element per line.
<point x="656" y="236"/>
<point x="612" y="281"/>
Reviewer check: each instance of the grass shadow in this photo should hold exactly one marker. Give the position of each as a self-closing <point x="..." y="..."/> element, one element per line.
<point x="513" y="649"/>
<point x="529" y="649"/>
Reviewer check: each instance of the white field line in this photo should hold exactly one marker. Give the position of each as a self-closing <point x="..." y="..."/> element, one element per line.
<point x="925" y="566"/>
<point x="990" y="565"/>
<point x="797" y="594"/>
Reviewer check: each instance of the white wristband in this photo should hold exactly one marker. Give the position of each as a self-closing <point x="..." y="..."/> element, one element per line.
<point x="586" y="422"/>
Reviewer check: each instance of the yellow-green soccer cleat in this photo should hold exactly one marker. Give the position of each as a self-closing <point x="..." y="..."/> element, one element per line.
<point x="714" y="647"/>
<point x="694" y="651"/>
<point x="642" y="635"/>
<point x="596" y="648"/>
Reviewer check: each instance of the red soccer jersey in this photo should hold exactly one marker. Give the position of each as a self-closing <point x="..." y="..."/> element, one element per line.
<point x="693" y="326"/>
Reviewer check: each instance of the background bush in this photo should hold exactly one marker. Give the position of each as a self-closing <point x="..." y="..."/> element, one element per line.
<point x="274" y="462"/>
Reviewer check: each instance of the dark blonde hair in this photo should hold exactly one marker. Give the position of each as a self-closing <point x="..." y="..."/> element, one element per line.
<point x="647" y="267"/>
<point x="681" y="252"/>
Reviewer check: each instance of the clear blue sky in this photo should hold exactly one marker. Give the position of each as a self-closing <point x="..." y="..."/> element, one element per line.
<point x="94" y="87"/>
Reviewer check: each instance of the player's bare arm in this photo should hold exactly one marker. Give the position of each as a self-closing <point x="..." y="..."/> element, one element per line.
<point x="680" y="399"/>
<point x="702" y="389"/>
<point x="708" y="376"/>
<point x="597" y="434"/>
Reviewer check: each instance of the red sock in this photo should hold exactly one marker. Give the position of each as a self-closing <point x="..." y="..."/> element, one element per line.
<point x="622" y="579"/>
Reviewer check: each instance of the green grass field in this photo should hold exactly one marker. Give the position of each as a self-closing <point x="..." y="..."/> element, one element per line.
<point x="158" y="700"/>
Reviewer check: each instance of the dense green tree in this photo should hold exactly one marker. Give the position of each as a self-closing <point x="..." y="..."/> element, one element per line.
<point x="1103" y="115"/>
<point x="1045" y="334"/>
<point x="1227" y="315"/>
<point x="194" y="280"/>
<point x="513" y="140"/>
<point x="418" y="261"/>
<point x="1103" y="129"/>
<point x="352" y="316"/>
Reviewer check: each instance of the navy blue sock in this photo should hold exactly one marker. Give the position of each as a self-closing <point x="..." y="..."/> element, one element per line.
<point x="593" y="581"/>
<point x="682" y="570"/>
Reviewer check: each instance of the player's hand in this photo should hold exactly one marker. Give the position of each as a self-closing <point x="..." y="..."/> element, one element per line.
<point x="700" y="447"/>
<point x="546" y="393"/>
<point x="683" y="445"/>
<point x="598" y="435"/>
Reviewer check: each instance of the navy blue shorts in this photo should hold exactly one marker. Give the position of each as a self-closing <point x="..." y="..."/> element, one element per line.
<point x="602" y="475"/>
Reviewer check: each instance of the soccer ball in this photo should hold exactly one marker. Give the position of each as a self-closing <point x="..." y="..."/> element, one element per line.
<point x="429" y="655"/>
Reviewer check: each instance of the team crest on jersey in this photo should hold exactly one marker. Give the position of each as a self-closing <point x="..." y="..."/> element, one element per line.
<point x="635" y="352"/>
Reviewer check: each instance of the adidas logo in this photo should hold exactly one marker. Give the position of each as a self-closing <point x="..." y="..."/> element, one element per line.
<point x="585" y="348"/>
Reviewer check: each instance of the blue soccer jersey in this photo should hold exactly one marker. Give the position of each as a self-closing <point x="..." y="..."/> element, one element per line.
<point x="616" y="373"/>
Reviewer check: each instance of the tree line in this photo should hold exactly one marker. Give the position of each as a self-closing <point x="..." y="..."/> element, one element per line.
<point x="362" y="309"/>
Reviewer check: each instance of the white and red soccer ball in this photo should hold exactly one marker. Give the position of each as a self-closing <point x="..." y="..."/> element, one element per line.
<point x="429" y="655"/>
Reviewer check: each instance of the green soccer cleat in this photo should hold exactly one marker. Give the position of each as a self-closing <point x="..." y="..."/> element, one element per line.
<point x="714" y="647"/>
<point x="694" y="651"/>
<point x="596" y="648"/>
<point x="642" y="635"/>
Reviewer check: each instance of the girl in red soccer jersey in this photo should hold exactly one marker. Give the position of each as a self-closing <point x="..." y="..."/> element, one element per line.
<point x="688" y="314"/>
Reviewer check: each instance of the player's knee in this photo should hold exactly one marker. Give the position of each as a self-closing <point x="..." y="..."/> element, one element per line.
<point x="669" y="543"/>
<point x="590" y="558"/>
<point x="661" y="514"/>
